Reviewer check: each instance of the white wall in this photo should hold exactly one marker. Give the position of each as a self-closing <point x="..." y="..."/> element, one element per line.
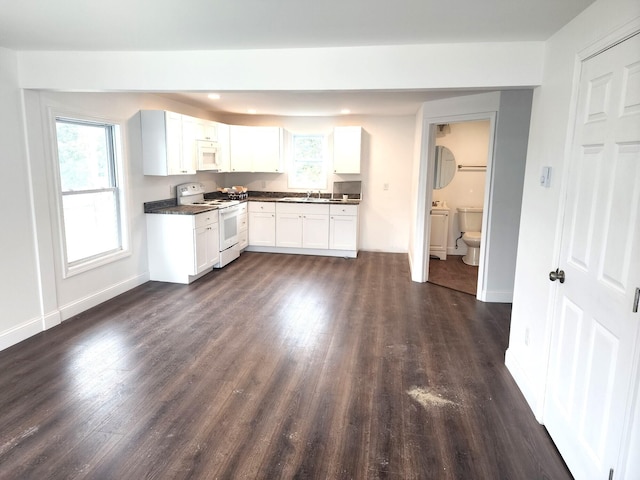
<point x="469" y="143"/>
<point x="19" y="287"/>
<point x="503" y="204"/>
<point x="539" y="239"/>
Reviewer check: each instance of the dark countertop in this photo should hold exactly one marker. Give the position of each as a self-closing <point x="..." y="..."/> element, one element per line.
<point x="184" y="209"/>
<point x="297" y="197"/>
<point x="169" y="206"/>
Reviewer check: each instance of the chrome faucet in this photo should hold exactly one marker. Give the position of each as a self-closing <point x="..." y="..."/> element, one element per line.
<point x="318" y="193"/>
<point x="308" y="193"/>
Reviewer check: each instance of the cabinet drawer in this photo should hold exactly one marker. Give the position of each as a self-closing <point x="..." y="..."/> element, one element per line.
<point x="242" y="222"/>
<point x="206" y="218"/>
<point x="265" y="207"/>
<point x="244" y="208"/>
<point x="344" y="209"/>
<point x="304" y="209"/>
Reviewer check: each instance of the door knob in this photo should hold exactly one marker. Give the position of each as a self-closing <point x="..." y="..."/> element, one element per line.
<point x="557" y="275"/>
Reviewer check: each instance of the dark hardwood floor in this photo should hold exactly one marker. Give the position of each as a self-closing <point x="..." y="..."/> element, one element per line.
<point x="277" y="366"/>
<point x="454" y="273"/>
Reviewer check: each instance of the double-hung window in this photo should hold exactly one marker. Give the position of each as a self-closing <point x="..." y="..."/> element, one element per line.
<point x="308" y="165"/>
<point x="90" y="177"/>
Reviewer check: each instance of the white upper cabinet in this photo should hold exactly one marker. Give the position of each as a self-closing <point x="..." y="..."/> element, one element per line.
<point x="347" y="149"/>
<point x="189" y="157"/>
<point x="206" y="130"/>
<point x="255" y="149"/>
<point x="224" y="160"/>
<point x="167" y="148"/>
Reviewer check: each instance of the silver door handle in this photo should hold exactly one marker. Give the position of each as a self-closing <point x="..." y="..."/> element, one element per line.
<point x="557" y="275"/>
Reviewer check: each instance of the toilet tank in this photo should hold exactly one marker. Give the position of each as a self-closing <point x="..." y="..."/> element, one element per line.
<point x="470" y="219"/>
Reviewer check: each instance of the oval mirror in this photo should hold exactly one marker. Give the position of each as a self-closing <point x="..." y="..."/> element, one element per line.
<point x="445" y="167"/>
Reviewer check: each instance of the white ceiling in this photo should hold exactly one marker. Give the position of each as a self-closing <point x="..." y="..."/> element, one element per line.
<point x="161" y="25"/>
<point x="234" y="24"/>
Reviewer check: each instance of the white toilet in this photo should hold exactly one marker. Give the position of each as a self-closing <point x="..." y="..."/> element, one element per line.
<point x="470" y="221"/>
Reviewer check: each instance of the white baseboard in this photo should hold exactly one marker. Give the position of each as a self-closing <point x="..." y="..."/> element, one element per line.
<point x="20" y="332"/>
<point x="78" y="306"/>
<point x="51" y="319"/>
<point x="304" y="251"/>
<point x="524" y="384"/>
<point x="496" y="296"/>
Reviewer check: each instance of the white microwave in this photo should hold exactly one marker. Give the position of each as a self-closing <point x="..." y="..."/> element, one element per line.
<point x="208" y="155"/>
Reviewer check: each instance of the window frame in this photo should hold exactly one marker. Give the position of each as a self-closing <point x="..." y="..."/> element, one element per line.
<point x="117" y="185"/>
<point x="292" y="161"/>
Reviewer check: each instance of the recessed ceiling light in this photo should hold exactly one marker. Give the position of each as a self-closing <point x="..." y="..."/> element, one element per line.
<point x="345" y="111"/>
<point x="252" y="111"/>
<point x="214" y="96"/>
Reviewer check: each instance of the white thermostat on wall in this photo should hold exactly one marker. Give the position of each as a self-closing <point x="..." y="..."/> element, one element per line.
<point x="545" y="177"/>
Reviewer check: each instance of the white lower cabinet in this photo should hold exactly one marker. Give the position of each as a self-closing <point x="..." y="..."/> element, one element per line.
<point x="243" y="226"/>
<point x="262" y="224"/>
<point x="309" y="229"/>
<point x="439" y="233"/>
<point x="288" y="230"/>
<point x="315" y="231"/>
<point x="182" y="248"/>
<point x="343" y="227"/>
<point x="302" y="226"/>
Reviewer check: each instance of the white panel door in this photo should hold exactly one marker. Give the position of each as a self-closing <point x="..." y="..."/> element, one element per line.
<point x="315" y="231"/>
<point x="343" y="232"/>
<point x="262" y="229"/>
<point x="593" y="357"/>
<point x="289" y="230"/>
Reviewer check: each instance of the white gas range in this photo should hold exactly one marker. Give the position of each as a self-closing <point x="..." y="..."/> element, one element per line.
<point x="193" y="194"/>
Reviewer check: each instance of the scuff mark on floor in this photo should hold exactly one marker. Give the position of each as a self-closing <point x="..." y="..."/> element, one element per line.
<point x="429" y="399"/>
<point x="16" y="440"/>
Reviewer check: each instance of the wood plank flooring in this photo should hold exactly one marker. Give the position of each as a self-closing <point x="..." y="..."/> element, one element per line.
<point x="454" y="273"/>
<point x="277" y="366"/>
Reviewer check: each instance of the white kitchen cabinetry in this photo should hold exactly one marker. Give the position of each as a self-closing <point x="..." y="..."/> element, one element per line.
<point x="302" y="226"/>
<point x="206" y="130"/>
<point x="343" y="227"/>
<point x="262" y="224"/>
<point x="347" y="149"/>
<point x="189" y="135"/>
<point x="288" y="229"/>
<point x="439" y="233"/>
<point x="255" y="149"/>
<point x="243" y="226"/>
<point x="164" y="150"/>
<point x="224" y="160"/>
<point x="182" y="248"/>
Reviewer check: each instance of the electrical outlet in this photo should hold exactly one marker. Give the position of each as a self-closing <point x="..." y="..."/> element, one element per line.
<point x="170" y="190"/>
<point x="526" y="336"/>
<point x="385" y="186"/>
<point x="263" y="184"/>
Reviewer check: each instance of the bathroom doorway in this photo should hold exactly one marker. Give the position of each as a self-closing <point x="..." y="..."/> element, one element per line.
<point x="462" y="152"/>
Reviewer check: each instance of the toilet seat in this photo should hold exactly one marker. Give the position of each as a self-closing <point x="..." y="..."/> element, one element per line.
<point x="474" y="237"/>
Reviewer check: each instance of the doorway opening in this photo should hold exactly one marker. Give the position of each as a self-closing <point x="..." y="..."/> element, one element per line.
<point x="460" y="165"/>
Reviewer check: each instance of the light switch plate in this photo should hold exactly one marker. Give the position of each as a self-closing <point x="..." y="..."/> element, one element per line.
<point x="545" y="177"/>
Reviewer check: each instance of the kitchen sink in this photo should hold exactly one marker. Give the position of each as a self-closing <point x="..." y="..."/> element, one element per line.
<point x="305" y="199"/>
